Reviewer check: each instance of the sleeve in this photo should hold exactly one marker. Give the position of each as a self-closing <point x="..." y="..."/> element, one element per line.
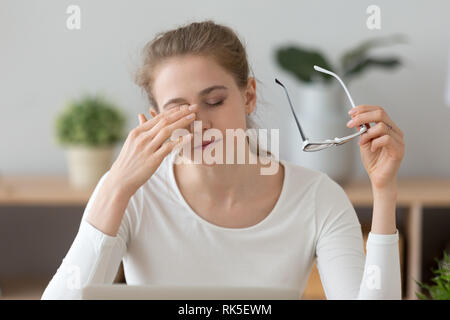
<point x="345" y="271"/>
<point x="94" y="257"/>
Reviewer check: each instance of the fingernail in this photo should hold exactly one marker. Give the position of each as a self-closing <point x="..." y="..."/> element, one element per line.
<point x="352" y="111"/>
<point x="350" y="123"/>
<point x="190" y="116"/>
<point x="192" y="107"/>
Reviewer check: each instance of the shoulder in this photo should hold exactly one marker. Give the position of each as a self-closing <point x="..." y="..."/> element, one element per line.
<point x="330" y="193"/>
<point x="326" y="194"/>
<point x="323" y="186"/>
<point x="298" y="176"/>
<point x="333" y="208"/>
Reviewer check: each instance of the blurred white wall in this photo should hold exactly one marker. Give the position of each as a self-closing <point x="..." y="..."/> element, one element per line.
<point x="43" y="64"/>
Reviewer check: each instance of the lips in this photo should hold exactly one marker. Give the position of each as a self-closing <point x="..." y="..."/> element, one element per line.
<point x="205" y="143"/>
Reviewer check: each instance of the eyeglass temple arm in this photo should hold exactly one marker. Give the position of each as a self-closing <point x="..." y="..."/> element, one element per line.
<point x="292" y="109"/>
<point x="317" y="68"/>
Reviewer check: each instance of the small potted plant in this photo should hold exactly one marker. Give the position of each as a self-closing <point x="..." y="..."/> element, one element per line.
<point x="440" y="290"/>
<point x="322" y="103"/>
<point x="89" y="128"/>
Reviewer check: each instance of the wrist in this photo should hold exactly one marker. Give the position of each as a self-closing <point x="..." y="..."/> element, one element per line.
<point x="117" y="189"/>
<point x="384" y="210"/>
<point x="108" y="208"/>
<point x="387" y="192"/>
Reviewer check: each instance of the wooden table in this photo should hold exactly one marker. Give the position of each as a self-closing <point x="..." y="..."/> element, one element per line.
<point x="413" y="193"/>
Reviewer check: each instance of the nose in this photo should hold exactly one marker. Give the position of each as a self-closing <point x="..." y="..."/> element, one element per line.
<point x="202" y="118"/>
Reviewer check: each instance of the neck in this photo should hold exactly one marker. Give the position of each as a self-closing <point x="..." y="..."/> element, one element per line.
<point x="230" y="182"/>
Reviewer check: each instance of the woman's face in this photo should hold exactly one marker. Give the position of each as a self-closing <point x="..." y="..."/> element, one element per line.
<point x="200" y="80"/>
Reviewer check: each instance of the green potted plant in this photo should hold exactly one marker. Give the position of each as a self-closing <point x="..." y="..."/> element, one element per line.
<point x="440" y="290"/>
<point x="299" y="61"/>
<point x="89" y="128"/>
<point x="322" y="100"/>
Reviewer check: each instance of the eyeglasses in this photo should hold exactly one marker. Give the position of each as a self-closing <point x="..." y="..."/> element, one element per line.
<point x="309" y="146"/>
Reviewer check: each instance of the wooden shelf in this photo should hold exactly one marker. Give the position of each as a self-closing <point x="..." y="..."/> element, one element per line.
<point x="41" y="190"/>
<point x="427" y="192"/>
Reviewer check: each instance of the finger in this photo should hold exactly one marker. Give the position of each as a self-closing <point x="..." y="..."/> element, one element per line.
<point x="378" y="130"/>
<point x="150" y="123"/>
<point x="170" y="145"/>
<point x="362" y="108"/>
<point x="358" y="128"/>
<point x="142" y="118"/>
<point x="368" y="108"/>
<point x="390" y="143"/>
<point x="166" y="132"/>
<point x="153" y="113"/>
<point x="377" y="115"/>
<point x="168" y="119"/>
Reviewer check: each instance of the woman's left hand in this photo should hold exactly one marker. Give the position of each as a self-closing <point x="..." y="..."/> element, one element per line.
<point x="382" y="147"/>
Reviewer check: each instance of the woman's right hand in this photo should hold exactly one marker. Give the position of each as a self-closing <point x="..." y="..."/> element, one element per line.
<point x="145" y="146"/>
<point x="142" y="153"/>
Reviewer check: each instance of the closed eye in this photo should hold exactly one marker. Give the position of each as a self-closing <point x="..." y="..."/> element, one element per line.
<point x="215" y="104"/>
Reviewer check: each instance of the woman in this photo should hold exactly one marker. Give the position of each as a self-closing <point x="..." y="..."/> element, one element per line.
<point x="225" y="224"/>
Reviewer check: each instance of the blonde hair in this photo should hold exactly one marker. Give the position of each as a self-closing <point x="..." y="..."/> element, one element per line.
<point x="204" y="38"/>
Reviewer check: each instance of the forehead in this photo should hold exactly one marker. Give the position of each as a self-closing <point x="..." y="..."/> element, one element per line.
<point x="186" y="76"/>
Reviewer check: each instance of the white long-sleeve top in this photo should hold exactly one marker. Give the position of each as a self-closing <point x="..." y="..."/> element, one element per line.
<point x="161" y="240"/>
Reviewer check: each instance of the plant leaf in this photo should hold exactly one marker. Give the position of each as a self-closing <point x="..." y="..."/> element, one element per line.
<point x="354" y="56"/>
<point x="386" y="63"/>
<point x="421" y="296"/>
<point x="90" y="120"/>
<point x="441" y="289"/>
<point x="300" y="62"/>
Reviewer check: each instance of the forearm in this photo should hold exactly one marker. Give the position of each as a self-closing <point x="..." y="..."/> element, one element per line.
<point x="382" y="278"/>
<point x="384" y="205"/>
<point x="108" y="208"/>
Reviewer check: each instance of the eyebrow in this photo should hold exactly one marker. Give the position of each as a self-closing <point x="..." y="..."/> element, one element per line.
<point x="201" y="93"/>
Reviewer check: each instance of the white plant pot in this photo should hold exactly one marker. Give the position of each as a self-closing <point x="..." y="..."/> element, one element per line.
<point x="322" y="113"/>
<point x="86" y="165"/>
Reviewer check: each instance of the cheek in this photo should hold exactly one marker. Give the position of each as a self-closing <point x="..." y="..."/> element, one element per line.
<point x="232" y="117"/>
<point x="236" y="113"/>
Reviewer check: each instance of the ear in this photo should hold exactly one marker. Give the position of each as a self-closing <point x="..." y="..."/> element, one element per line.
<point x="250" y="96"/>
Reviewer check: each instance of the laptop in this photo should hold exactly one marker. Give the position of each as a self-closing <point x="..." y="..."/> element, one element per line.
<point x="165" y="292"/>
